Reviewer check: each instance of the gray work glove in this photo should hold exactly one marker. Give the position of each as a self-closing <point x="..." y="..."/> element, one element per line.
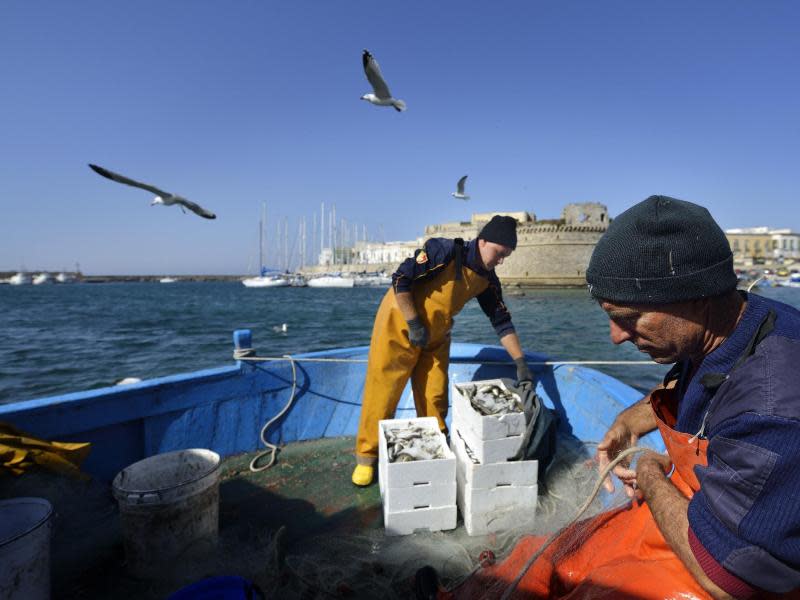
<point x="524" y="374"/>
<point x="417" y="333"/>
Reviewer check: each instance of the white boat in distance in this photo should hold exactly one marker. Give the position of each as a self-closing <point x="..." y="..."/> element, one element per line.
<point x="373" y="279"/>
<point x="65" y="277"/>
<point x="20" y="278"/>
<point x="42" y="278"/>
<point x="331" y="281"/>
<point x="167" y="280"/>
<point x="793" y="281"/>
<point x="265" y="280"/>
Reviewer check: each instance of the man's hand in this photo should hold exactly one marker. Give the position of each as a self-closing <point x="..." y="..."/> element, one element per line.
<point x="617" y="439"/>
<point x="417" y="333"/>
<point x="524" y="374"/>
<point x="651" y="467"/>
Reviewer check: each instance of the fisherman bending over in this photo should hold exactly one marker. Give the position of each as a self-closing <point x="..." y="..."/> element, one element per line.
<point x="411" y="334"/>
<point x="718" y="516"/>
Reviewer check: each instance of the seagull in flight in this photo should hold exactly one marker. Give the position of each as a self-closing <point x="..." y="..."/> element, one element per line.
<point x="162" y="197"/>
<point x="459" y="193"/>
<point x="381" y="96"/>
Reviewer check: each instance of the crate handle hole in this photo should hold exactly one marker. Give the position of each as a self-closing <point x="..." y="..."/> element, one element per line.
<point x="418" y="483"/>
<point x="503" y="485"/>
<point x="422" y="506"/>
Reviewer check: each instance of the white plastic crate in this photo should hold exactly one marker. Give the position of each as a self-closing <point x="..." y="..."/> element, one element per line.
<point x="494" y="497"/>
<point x="418" y="494"/>
<point x="486" y="427"/>
<point x="431" y="519"/>
<point x="488" y="451"/>
<point x="491" y="475"/>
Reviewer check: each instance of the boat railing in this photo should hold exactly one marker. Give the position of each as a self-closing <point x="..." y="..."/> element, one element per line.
<point x="237" y="355"/>
<point x="244" y="351"/>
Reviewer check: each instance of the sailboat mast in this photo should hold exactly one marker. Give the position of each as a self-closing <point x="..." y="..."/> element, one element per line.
<point x="314" y="238"/>
<point x="302" y="243"/>
<point x="285" y="243"/>
<point x="333" y="232"/>
<point x="261" y="238"/>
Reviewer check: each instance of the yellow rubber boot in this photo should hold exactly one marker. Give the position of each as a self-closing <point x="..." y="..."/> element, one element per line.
<point x="363" y="474"/>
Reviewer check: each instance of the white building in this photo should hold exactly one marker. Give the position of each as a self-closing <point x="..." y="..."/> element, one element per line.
<point x="785" y="244"/>
<point x="392" y="253"/>
<point x="775" y="244"/>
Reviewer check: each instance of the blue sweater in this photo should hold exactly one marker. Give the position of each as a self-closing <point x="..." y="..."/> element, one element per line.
<point x="744" y="523"/>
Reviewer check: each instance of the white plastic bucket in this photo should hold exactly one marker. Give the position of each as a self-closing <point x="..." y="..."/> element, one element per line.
<point x="25" y="530"/>
<point x="169" y="504"/>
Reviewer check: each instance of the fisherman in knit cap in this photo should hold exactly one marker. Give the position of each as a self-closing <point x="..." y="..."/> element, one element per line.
<point x="411" y="334"/>
<point x="717" y="515"/>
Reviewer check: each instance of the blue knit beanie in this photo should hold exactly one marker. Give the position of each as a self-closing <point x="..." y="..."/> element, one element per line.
<point x="661" y="251"/>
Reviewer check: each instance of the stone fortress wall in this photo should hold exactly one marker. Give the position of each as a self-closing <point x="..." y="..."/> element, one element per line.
<point x="551" y="252"/>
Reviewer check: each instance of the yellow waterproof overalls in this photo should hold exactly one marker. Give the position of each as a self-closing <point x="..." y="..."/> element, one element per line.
<point x="20" y="451"/>
<point x="393" y="359"/>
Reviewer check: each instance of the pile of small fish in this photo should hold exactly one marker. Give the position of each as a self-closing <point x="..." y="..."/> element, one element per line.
<point x="413" y="443"/>
<point x="492" y="399"/>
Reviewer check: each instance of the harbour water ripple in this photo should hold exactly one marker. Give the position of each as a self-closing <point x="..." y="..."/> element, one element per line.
<point x="56" y="339"/>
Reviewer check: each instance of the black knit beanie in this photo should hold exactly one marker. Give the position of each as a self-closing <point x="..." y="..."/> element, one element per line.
<point x="500" y="230"/>
<point x="661" y="251"/>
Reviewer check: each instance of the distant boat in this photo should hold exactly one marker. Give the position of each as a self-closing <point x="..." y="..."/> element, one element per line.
<point x="42" y="278"/>
<point x="793" y="281"/>
<point x="65" y="277"/>
<point x="20" y="278"/>
<point x="265" y="279"/>
<point x="297" y="280"/>
<point x="331" y="281"/>
<point x="372" y="280"/>
<point x="167" y="280"/>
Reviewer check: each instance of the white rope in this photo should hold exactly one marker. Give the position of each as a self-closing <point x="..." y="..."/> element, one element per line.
<point x="603" y="474"/>
<point x="272" y="447"/>
<point x="754" y="282"/>
<point x="548" y="363"/>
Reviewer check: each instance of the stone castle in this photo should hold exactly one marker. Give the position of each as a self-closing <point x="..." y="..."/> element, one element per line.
<point x="551" y="252"/>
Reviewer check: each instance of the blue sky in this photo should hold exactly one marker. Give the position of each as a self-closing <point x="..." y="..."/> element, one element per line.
<point x="236" y="103"/>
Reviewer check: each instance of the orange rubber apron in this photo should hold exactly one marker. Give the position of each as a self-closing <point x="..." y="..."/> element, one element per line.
<point x="392" y="358"/>
<point x="617" y="554"/>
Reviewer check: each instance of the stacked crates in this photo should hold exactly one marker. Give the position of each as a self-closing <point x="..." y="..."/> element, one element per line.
<point x="419" y="494"/>
<point x="493" y="493"/>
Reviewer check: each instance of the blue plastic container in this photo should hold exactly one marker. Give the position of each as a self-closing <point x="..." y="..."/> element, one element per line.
<point x="228" y="587"/>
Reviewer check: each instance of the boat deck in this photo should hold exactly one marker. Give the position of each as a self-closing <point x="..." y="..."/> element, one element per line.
<point x="299" y="530"/>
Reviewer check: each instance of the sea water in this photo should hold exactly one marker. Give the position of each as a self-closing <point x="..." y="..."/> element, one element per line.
<point x="66" y="338"/>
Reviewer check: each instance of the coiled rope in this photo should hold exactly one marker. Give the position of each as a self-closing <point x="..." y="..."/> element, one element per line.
<point x="272" y="448"/>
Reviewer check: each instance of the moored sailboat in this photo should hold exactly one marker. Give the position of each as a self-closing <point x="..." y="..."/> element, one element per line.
<point x="265" y="278"/>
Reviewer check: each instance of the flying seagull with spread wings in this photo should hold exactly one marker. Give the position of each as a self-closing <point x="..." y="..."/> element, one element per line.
<point x="459" y="193"/>
<point x="162" y="197"/>
<point x="381" y="95"/>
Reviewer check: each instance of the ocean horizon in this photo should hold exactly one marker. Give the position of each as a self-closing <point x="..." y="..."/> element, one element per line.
<point x="59" y="339"/>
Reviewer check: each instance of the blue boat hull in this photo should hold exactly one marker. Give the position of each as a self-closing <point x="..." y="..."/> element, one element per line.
<point x="223" y="409"/>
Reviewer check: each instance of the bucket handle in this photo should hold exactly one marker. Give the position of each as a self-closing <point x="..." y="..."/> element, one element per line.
<point x="144" y="498"/>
